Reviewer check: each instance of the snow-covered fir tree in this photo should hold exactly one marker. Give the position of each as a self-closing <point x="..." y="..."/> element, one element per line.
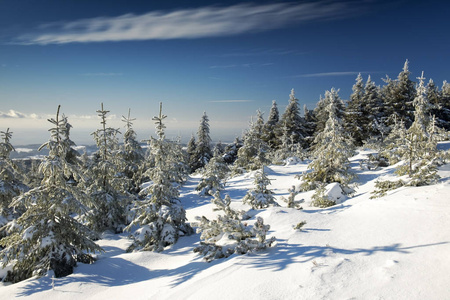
<point x="231" y="151"/>
<point x="332" y="150"/>
<point x="416" y="147"/>
<point x="132" y="154"/>
<point x="290" y="200"/>
<point x="228" y="234"/>
<point x="354" y="112"/>
<point x="11" y="183"/>
<point x="399" y="96"/>
<point x="203" y="151"/>
<point x="160" y="217"/>
<point x="440" y="101"/>
<point x="254" y="151"/>
<point x="321" y="110"/>
<point x="373" y="127"/>
<point x="310" y="125"/>
<point x="293" y="121"/>
<point x="108" y="186"/>
<point x="260" y="196"/>
<point x="420" y="153"/>
<point x="269" y="132"/>
<point x="214" y="175"/>
<point x="47" y="236"/>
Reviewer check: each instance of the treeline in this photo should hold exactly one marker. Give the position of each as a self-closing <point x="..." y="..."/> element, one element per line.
<point x="52" y="211"/>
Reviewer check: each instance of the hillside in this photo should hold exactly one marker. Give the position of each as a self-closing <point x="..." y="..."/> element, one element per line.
<point x="394" y="247"/>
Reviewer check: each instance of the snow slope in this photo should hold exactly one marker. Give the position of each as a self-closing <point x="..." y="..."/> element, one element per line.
<point x="394" y="247"/>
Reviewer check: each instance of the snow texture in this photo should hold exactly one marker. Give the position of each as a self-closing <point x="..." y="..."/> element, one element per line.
<point x="392" y="247"/>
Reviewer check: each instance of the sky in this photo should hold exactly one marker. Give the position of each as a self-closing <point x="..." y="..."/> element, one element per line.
<point x="225" y="58"/>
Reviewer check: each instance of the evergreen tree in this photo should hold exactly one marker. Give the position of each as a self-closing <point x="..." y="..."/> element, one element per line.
<point x="254" y="151"/>
<point x="47" y="236"/>
<point x="216" y="171"/>
<point x="441" y="104"/>
<point x="321" y="113"/>
<point x="416" y="147"/>
<point x="421" y="149"/>
<point x="260" y="196"/>
<point x="354" y="116"/>
<point x="160" y="216"/>
<point x="374" y="112"/>
<point x="399" y="96"/>
<point x="291" y="202"/>
<point x="10" y="181"/>
<point x="332" y="150"/>
<point x="132" y="154"/>
<point x="293" y="121"/>
<point x="203" y="152"/>
<point x="190" y="151"/>
<point x="310" y="125"/>
<point x="108" y="187"/>
<point x="269" y="132"/>
<point x="231" y="151"/>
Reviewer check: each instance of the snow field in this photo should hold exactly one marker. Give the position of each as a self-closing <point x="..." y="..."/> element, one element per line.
<point x="394" y="247"/>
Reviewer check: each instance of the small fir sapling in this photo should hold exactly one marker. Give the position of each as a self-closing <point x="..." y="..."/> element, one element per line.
<point x="260" y="196"/>
<point x="228" y="235"/>
<point x="300" y="225"/>
<point x="291" y="202"/>
<point x="320" y="198"/>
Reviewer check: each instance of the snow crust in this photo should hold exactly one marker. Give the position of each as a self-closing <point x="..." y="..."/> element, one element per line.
<point x="394" y="247"/>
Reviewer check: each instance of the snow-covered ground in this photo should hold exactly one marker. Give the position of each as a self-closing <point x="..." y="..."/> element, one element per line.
<point x="394" y="247"/>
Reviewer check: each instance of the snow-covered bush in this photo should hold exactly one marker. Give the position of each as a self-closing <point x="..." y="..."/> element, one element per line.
<point x="228" y="234"/>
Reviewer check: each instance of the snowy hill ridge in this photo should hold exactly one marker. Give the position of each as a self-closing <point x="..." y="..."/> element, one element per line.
<point x="393" y="247"/>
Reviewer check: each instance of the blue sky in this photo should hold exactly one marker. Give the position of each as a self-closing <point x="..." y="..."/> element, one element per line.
<point x="227" y="58"/>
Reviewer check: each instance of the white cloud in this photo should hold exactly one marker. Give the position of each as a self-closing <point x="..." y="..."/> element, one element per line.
<point x="190" y="23"/>
<point x="14" y="114"/>
<point x="329" y="74"/>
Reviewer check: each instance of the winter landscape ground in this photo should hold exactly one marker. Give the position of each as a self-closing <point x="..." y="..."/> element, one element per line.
<point x="393" y="247"/>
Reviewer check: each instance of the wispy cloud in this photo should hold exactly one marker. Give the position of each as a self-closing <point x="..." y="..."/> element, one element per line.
<point x="192" y="23"/>
<point x="102" y="74"/>
<point x="261" y="52"/>
<point x="231" y="101"/>
<point x="14" y="114"/>
<point x="330" y="74"/>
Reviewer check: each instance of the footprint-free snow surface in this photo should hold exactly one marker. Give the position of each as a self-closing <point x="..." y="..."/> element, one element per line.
<point x="394" y="247"/>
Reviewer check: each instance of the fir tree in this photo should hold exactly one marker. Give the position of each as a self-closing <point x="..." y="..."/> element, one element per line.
<point x="132" y="154"/>
<point x="10" y="181"/>
<point x="260" y="196"/>
<point x="292" y="120"/>
<point x="354" y="117"/>
<point x="374" y="113"/>
<point x="321" y="113"/>
<point x="108" y="187"/>
<point x="216" y="171"/>
<point x="203" y="152"/>
<point x="399" y="98"/>
<point x="332" y="150"/>
<point x="231" y="151"/>
<point x="160" y="216"/>
<point x="47" y="236"/>
<point x="310" y="125"/>
<point x="254" y="151"/>
<point x="269" y="132"/>
<point x="290" y="201"/>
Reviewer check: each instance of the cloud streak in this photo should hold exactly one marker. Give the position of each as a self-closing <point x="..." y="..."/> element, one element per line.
<point x="211" y="21"/>
<point x="14" y="114"/>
